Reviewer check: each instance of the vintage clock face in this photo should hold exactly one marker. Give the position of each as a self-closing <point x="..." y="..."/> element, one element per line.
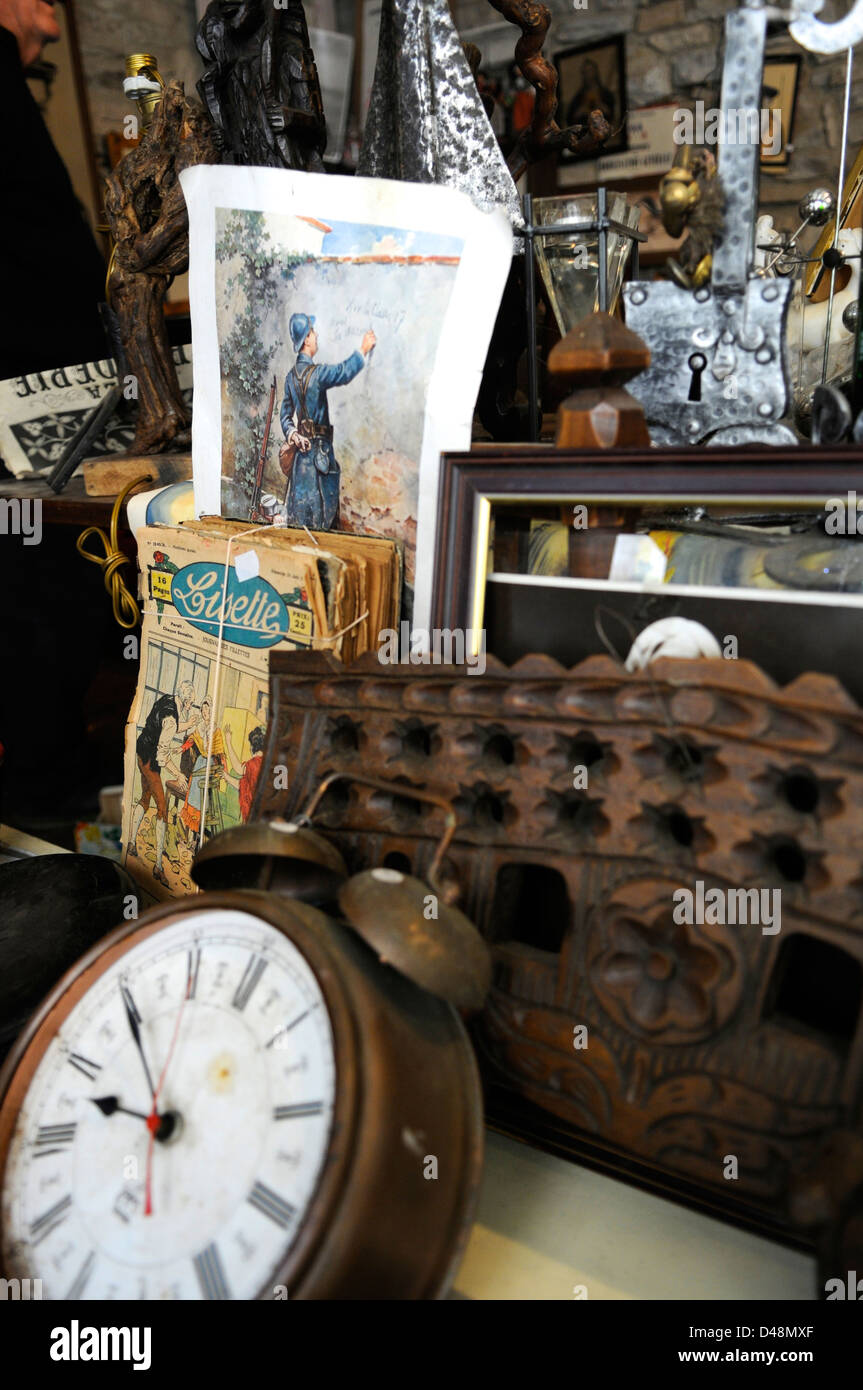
<point x="221" y="1015"/>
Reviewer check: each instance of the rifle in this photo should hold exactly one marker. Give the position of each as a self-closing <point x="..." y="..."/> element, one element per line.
<point x="259" y="475"/>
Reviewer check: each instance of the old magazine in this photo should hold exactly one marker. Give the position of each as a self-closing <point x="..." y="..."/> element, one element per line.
<point x="216" y="600"/>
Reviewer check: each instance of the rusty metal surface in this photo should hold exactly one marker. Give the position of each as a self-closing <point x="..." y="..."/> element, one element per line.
<point x="278" y="855"/>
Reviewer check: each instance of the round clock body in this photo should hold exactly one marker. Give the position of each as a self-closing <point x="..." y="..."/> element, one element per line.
<point x="317" y="1130"/>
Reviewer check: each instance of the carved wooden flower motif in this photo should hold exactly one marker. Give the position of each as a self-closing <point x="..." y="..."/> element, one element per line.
<point x="663" y="981"/>
<point x="659" y="975"/>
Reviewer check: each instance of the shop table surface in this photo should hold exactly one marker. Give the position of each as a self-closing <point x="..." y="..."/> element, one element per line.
<point x="548" y="1229"/>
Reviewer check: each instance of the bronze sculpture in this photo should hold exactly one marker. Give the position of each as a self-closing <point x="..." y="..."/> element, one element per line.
<point x="692" y="198"/>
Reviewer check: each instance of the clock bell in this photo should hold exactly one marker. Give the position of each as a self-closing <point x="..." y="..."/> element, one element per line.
<point x="412" y="926"/>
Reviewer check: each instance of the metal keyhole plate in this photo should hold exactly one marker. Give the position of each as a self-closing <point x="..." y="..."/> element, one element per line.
<point x="697" y="364"/>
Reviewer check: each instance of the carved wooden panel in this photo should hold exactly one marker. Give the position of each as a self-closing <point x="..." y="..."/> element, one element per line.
<point x="586" y="799"/>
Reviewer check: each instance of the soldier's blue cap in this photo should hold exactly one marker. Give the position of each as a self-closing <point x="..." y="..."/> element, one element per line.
<point x="299" y="327"/>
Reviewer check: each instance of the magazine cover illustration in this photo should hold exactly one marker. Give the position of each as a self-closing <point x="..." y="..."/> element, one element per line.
<point x="186" y="694"/>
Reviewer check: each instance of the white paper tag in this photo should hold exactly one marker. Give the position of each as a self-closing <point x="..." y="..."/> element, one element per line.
<point x="246" y="566"/>
<point x="638" y="560"/>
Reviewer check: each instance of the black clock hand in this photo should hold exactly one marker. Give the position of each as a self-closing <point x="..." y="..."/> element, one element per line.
<point x="134" y="1019"/>
<point x="110" y="1105"/>
<point x="167" y="1123"/>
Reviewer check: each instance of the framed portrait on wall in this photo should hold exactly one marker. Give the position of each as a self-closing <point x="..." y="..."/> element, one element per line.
<point x="592" y="77"/>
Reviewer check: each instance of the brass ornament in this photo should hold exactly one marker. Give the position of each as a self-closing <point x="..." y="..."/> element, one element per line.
<point x="144" y="84"/>
<point x="692" y="198"/>
<point x="411" y="925"/>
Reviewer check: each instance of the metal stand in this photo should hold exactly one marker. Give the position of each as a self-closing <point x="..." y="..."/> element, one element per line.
<point x="602" y="224"/>
<point x="840" y="193"/>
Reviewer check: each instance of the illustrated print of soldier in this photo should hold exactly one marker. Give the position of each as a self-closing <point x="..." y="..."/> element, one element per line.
<point x="307" y="456"/>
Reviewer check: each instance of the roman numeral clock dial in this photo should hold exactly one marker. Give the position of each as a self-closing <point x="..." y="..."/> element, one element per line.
<point x="175" y="1126"/>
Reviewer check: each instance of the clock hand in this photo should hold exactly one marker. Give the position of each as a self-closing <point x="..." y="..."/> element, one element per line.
<point x="134" y="1019"/>
<point x="154" y="1122"/>
<point x="167" y="1123"/>
<point x="110" y="1105"/>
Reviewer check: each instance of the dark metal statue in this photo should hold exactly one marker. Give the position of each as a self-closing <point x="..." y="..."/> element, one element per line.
<point x="260" y="84"/>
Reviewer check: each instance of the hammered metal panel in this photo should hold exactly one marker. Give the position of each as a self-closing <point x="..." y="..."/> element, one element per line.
<point x="739" y="162"/>
<point x="741" y="339"/>
<point x="426" y="123"/>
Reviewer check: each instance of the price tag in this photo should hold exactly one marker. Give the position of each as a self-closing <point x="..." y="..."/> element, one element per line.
<point x="246" y="566"/>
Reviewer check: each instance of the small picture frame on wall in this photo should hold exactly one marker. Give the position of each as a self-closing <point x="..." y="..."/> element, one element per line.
<point x="592" y="77"/>
<point x="779" y="93"/>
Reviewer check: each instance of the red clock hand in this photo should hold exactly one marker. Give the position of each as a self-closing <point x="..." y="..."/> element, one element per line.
<point x="154" y="1119"/>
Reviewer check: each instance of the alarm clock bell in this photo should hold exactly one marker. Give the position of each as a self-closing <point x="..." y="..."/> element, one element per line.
<point x="276" y="856"/>
<point x="411" y="925"/>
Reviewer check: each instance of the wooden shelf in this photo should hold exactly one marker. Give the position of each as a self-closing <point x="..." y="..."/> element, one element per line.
<point x="72" y="506"/>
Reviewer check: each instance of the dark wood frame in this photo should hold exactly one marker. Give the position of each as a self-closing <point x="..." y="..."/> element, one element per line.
<point x="616" y="145"/>
<point x="540" y="471"/>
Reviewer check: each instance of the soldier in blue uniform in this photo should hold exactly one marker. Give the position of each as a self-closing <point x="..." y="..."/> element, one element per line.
<point x="312" y="493"/>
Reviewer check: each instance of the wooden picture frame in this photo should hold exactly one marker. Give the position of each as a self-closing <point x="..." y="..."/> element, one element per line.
<point x="473" y="485"/>
<point x="592" y="76"/>
<point x="780" y="86"/>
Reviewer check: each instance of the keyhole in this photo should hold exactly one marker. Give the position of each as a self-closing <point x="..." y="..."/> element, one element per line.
<point x="697" y="363"/>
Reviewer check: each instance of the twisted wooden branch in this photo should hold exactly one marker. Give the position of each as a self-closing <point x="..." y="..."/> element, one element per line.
<point x="545" y="135"/>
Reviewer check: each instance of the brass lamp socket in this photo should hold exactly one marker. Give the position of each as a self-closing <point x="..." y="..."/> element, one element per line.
<point x="143" y="84"/>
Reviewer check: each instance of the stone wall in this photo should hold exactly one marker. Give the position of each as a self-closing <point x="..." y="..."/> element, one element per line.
<point x="674" y="52"/>
<point x="109" y="29"/>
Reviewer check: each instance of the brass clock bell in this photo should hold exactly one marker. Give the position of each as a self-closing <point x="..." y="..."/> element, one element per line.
<point x="411" y="925"/>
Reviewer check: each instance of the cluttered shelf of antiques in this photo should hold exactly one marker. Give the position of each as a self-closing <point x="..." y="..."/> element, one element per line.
<point x="494" y="707"/>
